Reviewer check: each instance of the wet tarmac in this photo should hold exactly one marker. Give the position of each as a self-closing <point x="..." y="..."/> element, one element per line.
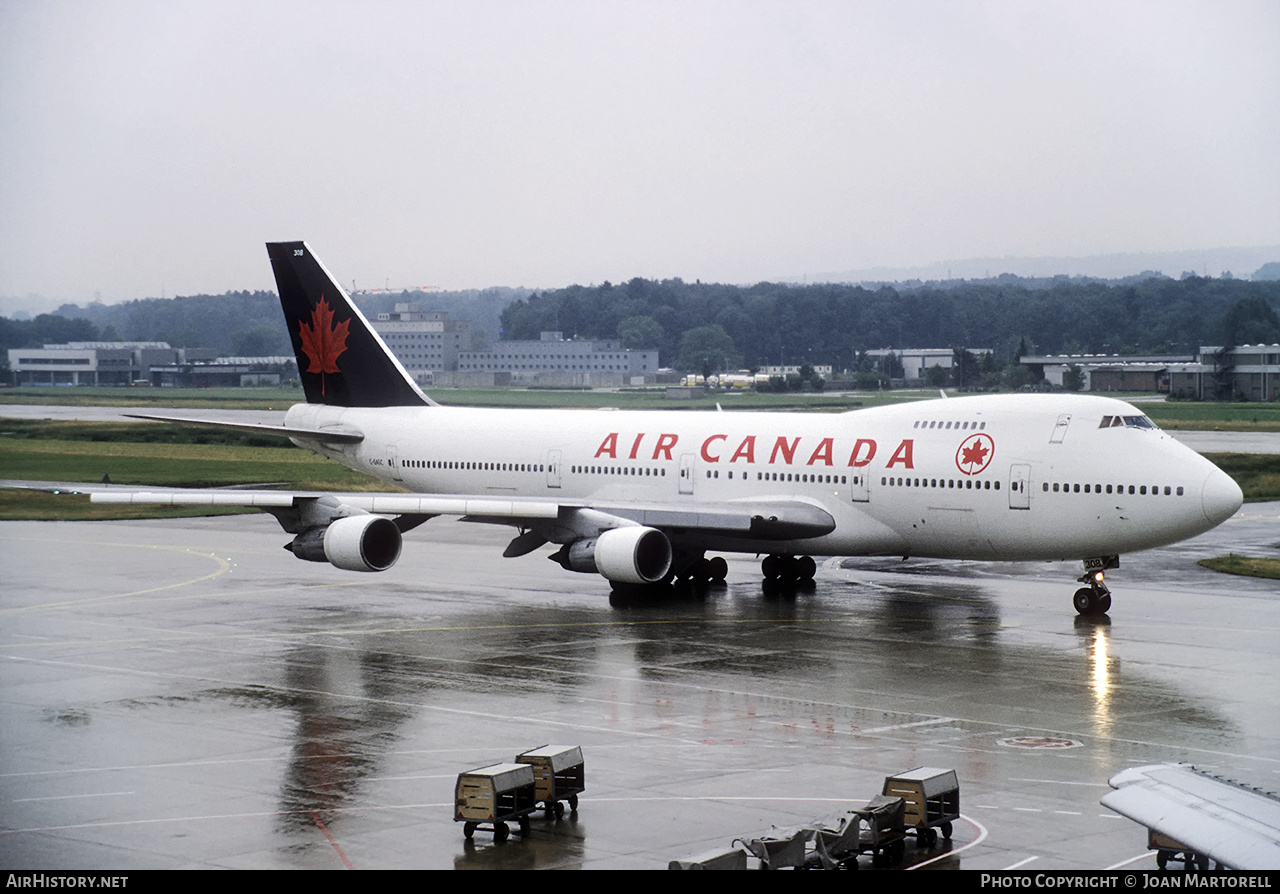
<point x="186" y="694"/>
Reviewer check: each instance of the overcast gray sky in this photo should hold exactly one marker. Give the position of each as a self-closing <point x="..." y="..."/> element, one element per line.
<point x="151" y="146"/>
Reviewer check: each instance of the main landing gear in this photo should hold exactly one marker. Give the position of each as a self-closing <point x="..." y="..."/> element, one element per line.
<point x="705" y="571"/>
<point x="1094" y="599"/>
<point x="788" y="569"/>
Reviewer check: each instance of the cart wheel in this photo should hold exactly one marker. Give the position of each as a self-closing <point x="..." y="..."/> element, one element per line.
<point x="559" y="810"/>
<point x="573" y="803"/>
<point x="500" y="831"/>
<point x="946" y="830"/>
<point x="468" y="829"/>
<point x="897" y="851"/>
<point x="524" y="826"/>
<point x="1162" y="859"/>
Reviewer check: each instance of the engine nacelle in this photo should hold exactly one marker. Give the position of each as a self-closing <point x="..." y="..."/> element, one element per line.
<point x="630" y="555"/>
<point x="354" y="543"/>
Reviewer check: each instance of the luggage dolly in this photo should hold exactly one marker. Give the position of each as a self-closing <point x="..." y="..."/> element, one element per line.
<point x="559" y="774"/>
<point x="494" y="796"/>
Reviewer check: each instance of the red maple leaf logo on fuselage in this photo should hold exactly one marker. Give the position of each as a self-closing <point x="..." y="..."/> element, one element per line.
<point x="322" y="341"/>
<point x="975" y="454"/>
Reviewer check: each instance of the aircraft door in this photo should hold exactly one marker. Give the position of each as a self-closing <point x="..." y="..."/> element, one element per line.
<point x="553" y="468"/>
<point x="1020" y="486"/>
<point x="859" y="486"/>
<point x="393" y="462"/>
<point x="686" y="473"/>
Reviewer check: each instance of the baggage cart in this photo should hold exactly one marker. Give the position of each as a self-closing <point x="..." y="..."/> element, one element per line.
<point x="882" y="833"/>
<point x="778" y="848"/>
<point x="559" y="775"/>
<point x="494" y="796"/>
<point x="932" y="801"/>
<point x="836" y="842"/>
<point x="715" y="859"/>
<point x="1170" y="850"/>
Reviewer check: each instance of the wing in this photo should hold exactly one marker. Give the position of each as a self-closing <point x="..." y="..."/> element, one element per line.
<point x="763" y="520"/>
<point x="768" y="520"/>
<point x="1235" y="826"/>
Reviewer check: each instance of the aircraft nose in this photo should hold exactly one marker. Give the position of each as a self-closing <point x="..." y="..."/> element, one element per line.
<point x="1220" y="497"/>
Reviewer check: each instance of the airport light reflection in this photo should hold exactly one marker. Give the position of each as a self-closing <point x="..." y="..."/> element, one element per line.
<point x="1100" y="679"/>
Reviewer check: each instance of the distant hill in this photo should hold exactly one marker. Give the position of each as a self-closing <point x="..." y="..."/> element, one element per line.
<point x="1241" y="263"/>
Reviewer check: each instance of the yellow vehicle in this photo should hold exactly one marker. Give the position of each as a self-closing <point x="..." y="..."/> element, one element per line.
<point x="494" y="796"/>
<point x="932" y="801"/>
<point x="559" y="775"/>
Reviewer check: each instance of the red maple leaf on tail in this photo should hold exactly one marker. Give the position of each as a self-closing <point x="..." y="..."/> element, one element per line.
<point x="322" y="341"/>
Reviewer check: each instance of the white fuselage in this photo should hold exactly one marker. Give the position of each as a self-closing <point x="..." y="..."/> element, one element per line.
<point x="989" y="477"/>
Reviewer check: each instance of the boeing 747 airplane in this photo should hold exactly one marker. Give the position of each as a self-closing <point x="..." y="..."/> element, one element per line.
<point x="644" y="497"/>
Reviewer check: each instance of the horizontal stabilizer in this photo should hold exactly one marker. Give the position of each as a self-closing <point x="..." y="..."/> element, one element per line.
<point x="332" y="436"/>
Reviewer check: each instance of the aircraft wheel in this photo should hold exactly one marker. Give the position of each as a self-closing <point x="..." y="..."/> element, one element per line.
<point x="1104" y="604"/>
<point x="770" y="567"/>
<point x="806" y="568"/>
<point x="717" y="568"/>
<point x="787" y="568"/>
<point x="697" y="572"/>
<point x="1083" y="600"/>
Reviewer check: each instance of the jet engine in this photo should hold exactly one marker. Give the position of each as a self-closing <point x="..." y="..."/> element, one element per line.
<point x="630" y="555"/>
<point x="354" y="543"/>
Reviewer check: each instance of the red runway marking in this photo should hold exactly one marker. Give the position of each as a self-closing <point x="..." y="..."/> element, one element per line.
<point x="325" y="830"/>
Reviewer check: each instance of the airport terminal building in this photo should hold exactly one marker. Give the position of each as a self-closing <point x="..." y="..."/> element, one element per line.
<point x="425" y="342"/>
<point x="1246" y="372"/>
<point x="99" y="363"/>
<point x="555" y="360"/>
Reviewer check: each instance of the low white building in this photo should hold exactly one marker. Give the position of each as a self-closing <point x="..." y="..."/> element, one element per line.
<point x="916" y="360"/>
<point x="425" y="342"/>
<point x="555" y="360"/>
<point x="97" y="363"/>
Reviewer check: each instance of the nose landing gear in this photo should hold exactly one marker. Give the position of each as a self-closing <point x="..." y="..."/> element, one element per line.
<point x="1094" y="599"/>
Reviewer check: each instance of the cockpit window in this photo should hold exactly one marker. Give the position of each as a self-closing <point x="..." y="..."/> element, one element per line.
<point x="1126" y="422"/>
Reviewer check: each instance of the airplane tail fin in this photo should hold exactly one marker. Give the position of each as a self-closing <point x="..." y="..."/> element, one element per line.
<point x="342" y="361"/>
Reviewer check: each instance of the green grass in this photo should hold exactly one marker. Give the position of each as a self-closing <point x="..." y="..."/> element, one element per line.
<point x="1215" y="416"/>
<point x="86" y="452"/>
<point x="278" y="398"/>
<point x="1207" y="416"/>
<point x="1245" y="565"/>
<point x="1258" y="474"/>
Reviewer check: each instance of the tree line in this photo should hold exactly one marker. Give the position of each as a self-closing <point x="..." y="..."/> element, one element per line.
<point x="776" y="324"/>
<point x="704" y="327"/>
